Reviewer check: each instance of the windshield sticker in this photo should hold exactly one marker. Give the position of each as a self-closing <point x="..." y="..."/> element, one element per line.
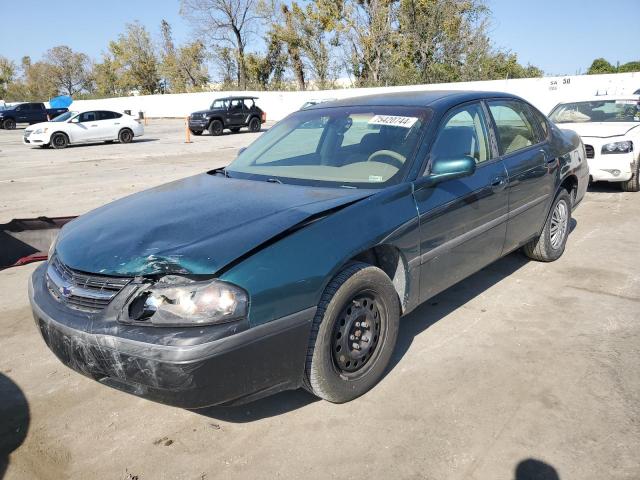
<point x="626" y="102"/>
<point x="393" y="121"/>
<point x="375" y="178"/>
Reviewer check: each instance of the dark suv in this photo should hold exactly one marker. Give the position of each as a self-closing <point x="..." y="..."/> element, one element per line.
<point x="230" y="112"/>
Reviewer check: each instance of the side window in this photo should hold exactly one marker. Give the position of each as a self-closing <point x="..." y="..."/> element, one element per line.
<point x="87" y="117"/>
<point x="116" y="114"/>
<point x="515" y="130"/>
<point x="38" y="107"/>
<point x="236" y="105"/>
<point x="103" y="115"/>
<point x="464" y="133"/>
<point x="541" y="122"/>
<point x="248" y="104"/>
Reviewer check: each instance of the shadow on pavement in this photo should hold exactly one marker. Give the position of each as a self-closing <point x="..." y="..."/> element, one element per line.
<point x="14" y="420"/>
<point x="532" y="469"/>
<point x="266" y="407"/>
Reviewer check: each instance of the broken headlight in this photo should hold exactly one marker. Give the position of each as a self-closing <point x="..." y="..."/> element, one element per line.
<point x="177" y="301"/>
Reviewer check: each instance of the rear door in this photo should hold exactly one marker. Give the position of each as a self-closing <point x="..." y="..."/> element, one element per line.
<point x="462" y="221"/>
<point x="530" y="167"/>
<point x="22" y="113"/>
<point x="108" y="125"/>
<point x="237" y="113"/>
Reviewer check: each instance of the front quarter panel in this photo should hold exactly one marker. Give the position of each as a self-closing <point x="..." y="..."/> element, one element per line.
<point x="290" y="275"/>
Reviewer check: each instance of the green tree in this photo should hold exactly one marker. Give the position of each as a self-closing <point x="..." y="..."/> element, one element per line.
<point x="7" y="75"/>
<point x="600" y="65"/>
<point x="630" y="67"/>
<point x="135" y="60"/>
<point x="71" y="70"/>
<point x="105" y="78"/>
<point x="183" y="68"/>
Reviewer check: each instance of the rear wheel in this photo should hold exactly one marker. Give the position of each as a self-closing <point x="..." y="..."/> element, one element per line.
<point x="353" y="334"/>
<point x="633" y="184"/>
<point x="125" y="136"/>
<point x="59" y="140"/>
<point x="9" y="124"/>
<point x="216" y="128"/>
<point x="254" y="124"/>
<point x="549" y="246"/>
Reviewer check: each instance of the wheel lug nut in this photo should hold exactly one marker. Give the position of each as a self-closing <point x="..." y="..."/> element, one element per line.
<point x="356" y="346"/>
<point x="352" y="337"/>
<point x="364" y="325"/>
<point x="357" y="324"/>
<point x="365" y="339"/>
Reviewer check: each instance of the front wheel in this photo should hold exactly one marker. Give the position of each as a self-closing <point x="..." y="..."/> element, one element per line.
<point x="633" y="184"/>
<point x="9" y="124"/>
<point x="216" y="128"/>
<point x="353" y="334"/>
<point x="549" y="246"/>
<point x="254" y="125"/>
<point x="59" y="140"/>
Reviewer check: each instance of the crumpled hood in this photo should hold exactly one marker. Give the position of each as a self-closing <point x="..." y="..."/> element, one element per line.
<point x="196" y="225"/>
<point x="601" y="129"/>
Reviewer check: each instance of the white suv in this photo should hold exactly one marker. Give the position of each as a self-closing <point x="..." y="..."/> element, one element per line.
<point x="610" y="130"/>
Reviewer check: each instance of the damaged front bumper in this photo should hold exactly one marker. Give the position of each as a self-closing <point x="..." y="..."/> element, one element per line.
<point x="192" y="367"/>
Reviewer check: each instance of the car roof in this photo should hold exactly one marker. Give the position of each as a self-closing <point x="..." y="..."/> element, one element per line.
<point x="422" y="98"/>
<point x="237" y="97"/>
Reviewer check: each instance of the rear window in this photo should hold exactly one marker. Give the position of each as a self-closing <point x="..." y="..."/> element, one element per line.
<point x="597" y="111"/>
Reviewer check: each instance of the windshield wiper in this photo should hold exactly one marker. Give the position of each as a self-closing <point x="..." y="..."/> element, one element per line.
<point x="274" y="180"/>
<point x="222" y="170"/>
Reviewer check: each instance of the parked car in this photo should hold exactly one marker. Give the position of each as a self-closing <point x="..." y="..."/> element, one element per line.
<point x="610" y="129"/>
<point x="231" y="113"/>
<point x="293" y="265"/>
<point x="84" y="127"/>
<point x="27" y="113"/>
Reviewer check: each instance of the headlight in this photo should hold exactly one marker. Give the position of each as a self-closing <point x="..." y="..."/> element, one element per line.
<point x="178" y="301"/>
<point x="617" y="147"/>
<point x="40" y="130"/>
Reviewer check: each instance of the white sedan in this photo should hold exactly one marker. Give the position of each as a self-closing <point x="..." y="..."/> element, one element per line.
<point x="83" y="127"/>
<point x="610" y="131"/>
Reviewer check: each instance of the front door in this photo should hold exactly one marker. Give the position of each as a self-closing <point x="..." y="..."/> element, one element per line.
<point x="86" y="129"/>
<point x="530" y="166"/>
<point x="462" y="221"/>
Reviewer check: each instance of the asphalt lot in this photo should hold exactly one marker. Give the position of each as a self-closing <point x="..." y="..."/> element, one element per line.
<point x="524" y="367"/>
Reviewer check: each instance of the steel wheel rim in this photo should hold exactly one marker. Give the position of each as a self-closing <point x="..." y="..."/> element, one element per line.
<point x="559" y="222"/>
<point x="357" y="333"/>
<point x="58" y="140"/>
<point x="217" y="128"/>
<point x="254" y="125"/>
<point x="126" y="137"/>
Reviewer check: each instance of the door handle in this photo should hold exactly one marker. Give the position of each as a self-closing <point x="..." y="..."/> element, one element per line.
<point x="94" y="125"/>
<point x="117" y="123"/>
<point x="498" y="183"/>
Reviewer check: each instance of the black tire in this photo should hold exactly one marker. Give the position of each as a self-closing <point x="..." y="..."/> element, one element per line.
<point x="254" y="125"/>
<point x="360" y="291"/>
<point x="633" y="184"/>
<point x="9" y="124"/>
<point x="196" y="132"/>
<point x="125" y="136"/>
<point x="549" y="247"/>
<point x="235" y="129"/>
<point x="216" y="127"/>
<point x="59" y="140"/>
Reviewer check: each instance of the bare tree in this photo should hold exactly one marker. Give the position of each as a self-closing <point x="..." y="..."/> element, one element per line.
<point x="224" y="23"/>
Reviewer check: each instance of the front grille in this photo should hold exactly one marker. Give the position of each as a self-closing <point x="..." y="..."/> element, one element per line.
<point x="590" y="151"/>
<point x="27" y="133"/>
<point x="80" y="290"/>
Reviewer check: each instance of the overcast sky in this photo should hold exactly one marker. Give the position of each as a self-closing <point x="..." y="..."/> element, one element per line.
<point x="559" y="36"/>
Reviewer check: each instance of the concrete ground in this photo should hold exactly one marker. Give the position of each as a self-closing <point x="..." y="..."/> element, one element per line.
<point x="524" y="369"/>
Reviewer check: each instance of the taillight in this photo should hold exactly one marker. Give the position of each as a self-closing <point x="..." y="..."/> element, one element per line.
<point x="264" y="117"/>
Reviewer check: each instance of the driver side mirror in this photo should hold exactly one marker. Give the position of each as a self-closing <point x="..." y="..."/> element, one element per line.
<point x="74" y="120"/>
<point x="240" y="150"/>
<point x="449" y="169"/>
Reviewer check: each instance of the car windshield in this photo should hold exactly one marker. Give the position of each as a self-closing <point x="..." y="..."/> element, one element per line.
<point x="64" y="117"/>
<point x="357" y="146"/>
<point x="219" y="104"/>
<point x="597" y="111"/>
